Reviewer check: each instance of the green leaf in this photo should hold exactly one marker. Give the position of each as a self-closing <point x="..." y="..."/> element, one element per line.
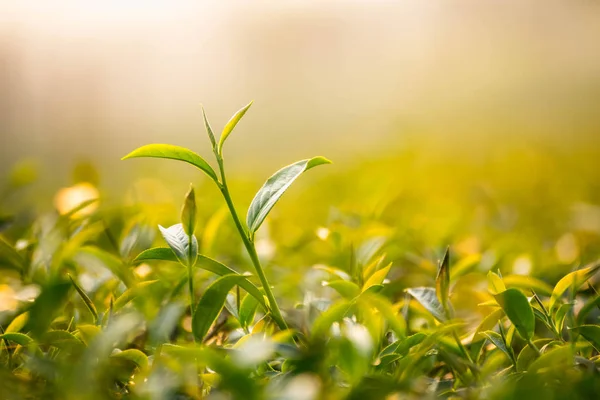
<point x="133" y="355"/>
<point x="497" y="340"/>
<point x="209" y="130"/>
<point x="488" y="323"/>
<point x="188" y="212"/>
<point x="157" y="253"/>
<point x="561" y="314"/>
<point x="591" y="333"/>
<point x="557" y="358"/>
<point x="179" y="242"/>
<point x="395" y="321"/>
<point x="87" y="254"/>
<point x="206" y="263"/>
<point x="346" y="289"/>
<point x="131" y="294"/>
<point x="274" y="188"/>
<point x="61" y="340"/>
<point x="247" y="311"/>
<point x="46" y="306"/>
<point x="18" y="323"/>
<point x="18" y="338"/>
<point x="230" y="125"/>
<point x="572" y="281"/>
<point x="427" y="297"/>
<point x="442" y="281"/>
<point x="172" y="152"/>
<point x="377" y="278"/>
<point x="495" y="283"/>
<point x="87" y="301"/>
<point x="9" y="257"/>
<point x="211" y="303"/>
<point x="587" y="308"/>
<point x="527" y="283"/>
<point x="528" y="354"/>
<point x="517" y="308"/>
<point x="323" y="323"/>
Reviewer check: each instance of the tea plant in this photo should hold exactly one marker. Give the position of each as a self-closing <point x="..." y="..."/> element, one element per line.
<point x="103" y="313"/>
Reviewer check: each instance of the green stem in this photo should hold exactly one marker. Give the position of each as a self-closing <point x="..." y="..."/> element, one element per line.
<point x="249" y="245"/>
<point x="534" y="347"/>
<point x="191" y="276"/>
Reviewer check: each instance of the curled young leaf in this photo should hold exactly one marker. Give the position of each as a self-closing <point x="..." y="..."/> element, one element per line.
<point x="179" y="242"/>
<point x="230" y="125"/>
<point x="188" y="212"/>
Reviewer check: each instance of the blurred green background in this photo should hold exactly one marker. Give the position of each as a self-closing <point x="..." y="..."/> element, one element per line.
<point x="449" y="121"/>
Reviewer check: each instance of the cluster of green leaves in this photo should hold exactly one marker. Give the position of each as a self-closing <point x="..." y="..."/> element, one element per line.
<point x="112" y="318"/>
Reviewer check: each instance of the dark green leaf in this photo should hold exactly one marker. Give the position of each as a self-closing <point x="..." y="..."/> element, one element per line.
<point x="211" y="303"/>
<point x="587" y="308"/>
<point x="174" y="153"/>
<point x="591" y="333"/>
<point x="517" y="308"/>
<point x="274" y="188"/>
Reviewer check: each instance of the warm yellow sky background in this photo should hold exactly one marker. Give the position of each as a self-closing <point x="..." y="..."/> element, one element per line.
<point x="83" y="79"/>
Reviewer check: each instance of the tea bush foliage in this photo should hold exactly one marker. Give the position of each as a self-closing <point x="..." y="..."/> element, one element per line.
<point x="348" y="292"/>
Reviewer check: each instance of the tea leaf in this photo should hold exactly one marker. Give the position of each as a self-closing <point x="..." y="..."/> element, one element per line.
<point x="211" y="304"/>
<point x="497" y="340"/>
<point x="587" y="308"/>
<point x="572" y="281"/>
<point x="591" y="333"/>
<point x="495" y="283"/>
<point x="179" y="242"/>
<point x="526" y="283"/>
<point x="46" y="306"/>
<point x="377" y="278"/>
<point x="442" y="281"/>
<point x="488" y="323"/>
<point x="209" y="130"/>
<point x="9" y="257"/>
<point x="133" y="355"/>
<point x="86" y="300"/>
<point x="230" y="125"/>
<point x="172" y="152"/>
<point x="427" y="297"/>
<point x="517" y="308"/>
<point x="248" y="310"/>
<point x="157" y="253"/>
<point x="347" y="289"/>
<point x="323" y="323"/>
<point x="131" y="294"/>
<point x="274" y="188"/>
<point x="18" y="338"/>
<point x="188" y="212"/>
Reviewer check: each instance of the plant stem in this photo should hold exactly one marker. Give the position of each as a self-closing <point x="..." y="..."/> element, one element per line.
<point x="249" y="245"/>
<point x="191" y="277"/>
<point x="534" y="347"/>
